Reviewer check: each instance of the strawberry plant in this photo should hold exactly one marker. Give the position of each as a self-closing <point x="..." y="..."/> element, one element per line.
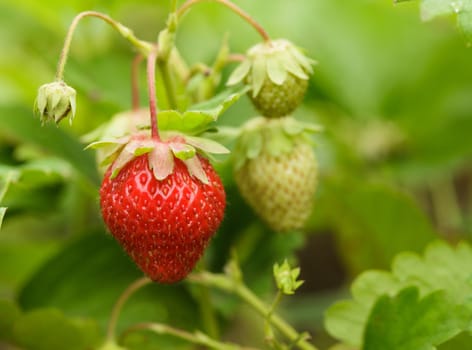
<point x="234" y="175"/>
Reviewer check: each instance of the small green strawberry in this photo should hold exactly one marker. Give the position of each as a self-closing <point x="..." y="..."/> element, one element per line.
<point x="276" y="171"/>
<point x="277" y="72"/>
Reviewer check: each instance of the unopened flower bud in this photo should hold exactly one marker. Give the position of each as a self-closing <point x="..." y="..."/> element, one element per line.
<point x="55" y="101"/>
<point x="286" y="278"/>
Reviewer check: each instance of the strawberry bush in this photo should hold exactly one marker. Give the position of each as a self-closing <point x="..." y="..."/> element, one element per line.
<point x="235" y="175"/>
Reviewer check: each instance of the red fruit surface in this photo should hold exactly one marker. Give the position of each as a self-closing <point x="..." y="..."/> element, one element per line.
<point x="164" y="226"/>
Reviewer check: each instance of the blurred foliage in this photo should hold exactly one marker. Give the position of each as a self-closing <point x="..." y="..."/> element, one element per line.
<point x="392" y="93"/>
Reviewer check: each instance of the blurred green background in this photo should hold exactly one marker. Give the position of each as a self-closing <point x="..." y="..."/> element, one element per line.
<point x="393" y="94"/>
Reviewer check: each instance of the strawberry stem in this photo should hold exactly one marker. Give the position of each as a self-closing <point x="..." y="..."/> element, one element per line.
<point x="143" y="46"/>
<point x="151" y="78"/>
<point x="233" y="8"/>
<point x="132" y="288"/>
<point x="195" y="338"/>
<point x="228" y="284"/>
<point x="173" y="5"/>
<point x="135" y="81"/>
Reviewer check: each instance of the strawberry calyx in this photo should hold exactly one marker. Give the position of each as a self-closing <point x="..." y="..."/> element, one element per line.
<point x="272" y="136"/>
<point x="161" y="153"/>
<point x="273" y="60"/>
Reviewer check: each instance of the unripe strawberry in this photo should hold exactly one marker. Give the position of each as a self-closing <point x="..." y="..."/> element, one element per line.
<point x="280" y="100"/>
<point x="276" y="172"/>
<point x="162" y="206"/>
<point x="278" y="73"/>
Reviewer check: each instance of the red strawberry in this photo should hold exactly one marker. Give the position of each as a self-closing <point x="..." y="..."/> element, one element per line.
<point x="164" y="225"/>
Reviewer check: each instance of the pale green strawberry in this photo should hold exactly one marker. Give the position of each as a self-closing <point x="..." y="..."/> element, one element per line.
<point x="276" y="171"/>
<point x="277" y="72"/>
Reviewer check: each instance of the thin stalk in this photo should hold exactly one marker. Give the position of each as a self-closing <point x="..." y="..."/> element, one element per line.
<point x="132" y="288"/>
<point x="173" y="5"/>
<point x="447" y="209"/>
<point x="225" y="283"/>
<point x="245" y="16"/>
<point x="268" y="325"/>
<point x="207" y="312"/>
<point x="151" y="79"/>
<point x="127" y="33"/>
<point x="195" y="338"/>
<point x="168" y="83"/>
<point x="135" y="81"/>
<point x="235" y="57"/>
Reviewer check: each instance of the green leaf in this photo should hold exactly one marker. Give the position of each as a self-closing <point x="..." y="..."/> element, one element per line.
<point x="461" y="341"/>
<point x="197" y="118"/>
<point x="409" y="322"/>
<point x="464" y="20"/>
<point x="461" y="8"/>
<point x="386" y="221"/>
<point x="10" y="313"/>
<point x="44" y="171"/>
<point x="346" y="319"/>
<point x="49" y="329"/>
<point x="64" y="280"/>
<point x="5" y="181"/>
<point x="2" y="215"/>
<point x="18" y="123"/>
<point x="441" y="268"/>
<point x="434" y="8"/>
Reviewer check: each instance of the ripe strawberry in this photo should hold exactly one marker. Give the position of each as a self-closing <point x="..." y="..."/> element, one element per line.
<point x="278" y="173"/>
<point x="163" y="210"/>
<point x="278" y="73"/>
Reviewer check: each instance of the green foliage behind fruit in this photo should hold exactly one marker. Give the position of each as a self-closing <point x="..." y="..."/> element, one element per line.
<point x="392" y="93"/>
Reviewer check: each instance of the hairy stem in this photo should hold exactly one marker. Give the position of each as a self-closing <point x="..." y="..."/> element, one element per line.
<point x="143" y="46"/>
<point x="132" y="288"/>
<point x="233" y="8"/>
<point x="151" y="79"/>
<point x="195" y="338"/>
<point x="225" y="283"/>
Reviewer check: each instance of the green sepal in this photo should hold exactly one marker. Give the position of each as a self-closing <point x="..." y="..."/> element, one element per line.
<point x="120" y="124"/>
<point x="272" y="136"/>
<point x="206" y="145"/>
<point x="240" y="72"/>
<point x="106" y="143"/>
<point x="277" y="141"/>
<point x="259" y="73"/>
<point x="182" y="151"/>
<point x="276" y="70"/>
<point x="161" y="161"/>
<point x="272" y="60"/>
<point x="55" y="101"/>
<point x="195" y="168"/>
<point x="286" y="278"/>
